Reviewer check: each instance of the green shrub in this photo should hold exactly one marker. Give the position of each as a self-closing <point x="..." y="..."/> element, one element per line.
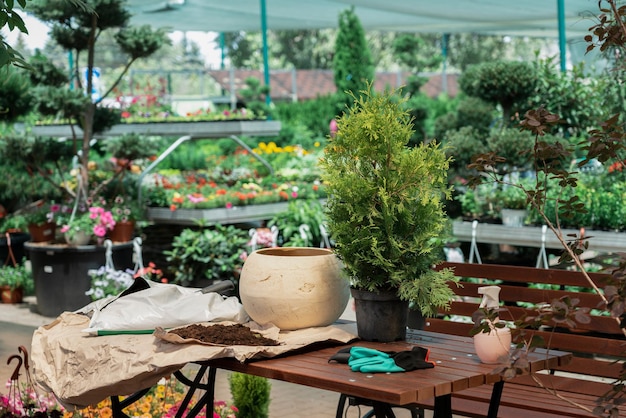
<point x="251" y="395"/>
<point x="506" y="83"/>
<point x="299" y="212"/>
<point x="209" y="253"/>
<point x="463" y="144"/>
<point x="16" y="99"/>
<point x="476" y="113"/>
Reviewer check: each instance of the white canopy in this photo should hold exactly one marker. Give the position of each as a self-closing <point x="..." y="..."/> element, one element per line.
<point x="534" y="18"/>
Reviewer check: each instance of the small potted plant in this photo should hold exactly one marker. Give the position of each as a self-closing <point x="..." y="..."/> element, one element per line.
<point x="125" y="213"/>
<point x="513" y="203"/>
<point x="385" y="213"/>
<point x="40" y="218"/>
<point x="15" y="282"/>
<point x="80" y="227"/>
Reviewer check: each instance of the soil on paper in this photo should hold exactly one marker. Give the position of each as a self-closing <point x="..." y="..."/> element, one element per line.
<point x="235" y="334"/>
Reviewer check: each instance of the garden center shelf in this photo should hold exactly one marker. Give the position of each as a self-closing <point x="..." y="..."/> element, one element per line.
<point x="196" y="130"/>
<point x="533" y="236"/>
<point x="233" y="215"/>
<point x="186" y="131"/>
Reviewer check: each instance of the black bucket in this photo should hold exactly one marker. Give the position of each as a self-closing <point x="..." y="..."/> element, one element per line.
<point x="60" y="273"/>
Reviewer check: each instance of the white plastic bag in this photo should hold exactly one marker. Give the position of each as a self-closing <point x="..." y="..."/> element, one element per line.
<point x="160" y="305"/>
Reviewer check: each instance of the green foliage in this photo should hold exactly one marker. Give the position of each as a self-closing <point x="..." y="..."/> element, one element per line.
<point x="9" y="17"/>
<point x="299" y="212"/>
<point x="476" y="113"/>
<point x="466" y="49"/>
<point x="44" y="72"/>
<point x="141" y="42"/>
<point x="131" y="146"/>
<point x="254" y="96"/>
<point x="314" y="115"/>
<point x="16" y="98"/>
<point x="470" y="112"/>
<point x="77" y="29"/>
<point x="60" y="102"/>
<point x="352" y="62"/>
<point x="578" y="99"/>
<point x="22" y="159"/>
<point x="512" y="197"/>
<point x="210" y="253"/>
<point x="413" y="52"/>
<point x="513" y="145"/>
<point x="251" y="395"/>
<point x="501" y="82"/>
<point x="463" y="144"/>
<point x="385" y="205"/>
<point x="16" y="277"/>
<point x="417" y="108"/>
<point x="302" y="48"/>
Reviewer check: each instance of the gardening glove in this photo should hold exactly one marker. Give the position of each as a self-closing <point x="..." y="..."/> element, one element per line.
<point x="415" y="359"/>
<point x="367" y="360"/>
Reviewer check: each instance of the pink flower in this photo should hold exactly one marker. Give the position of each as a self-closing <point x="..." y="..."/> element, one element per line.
<point x="229" y="205"/>
<point x="195" y="198"/>
<point x="99" y="230"/>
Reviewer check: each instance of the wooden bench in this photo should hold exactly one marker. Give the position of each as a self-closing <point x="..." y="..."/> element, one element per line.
<point x="595" y="345"/>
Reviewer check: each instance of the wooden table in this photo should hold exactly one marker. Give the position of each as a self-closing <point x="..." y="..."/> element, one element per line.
<point x="457" y="368"/>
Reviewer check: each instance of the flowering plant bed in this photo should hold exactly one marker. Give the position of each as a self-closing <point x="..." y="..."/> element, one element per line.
<point x="162" y="400"/>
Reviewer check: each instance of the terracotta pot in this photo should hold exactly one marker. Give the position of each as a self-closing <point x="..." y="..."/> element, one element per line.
<point x="493" y="348"/>
<point x="42" y="232"/>
<point x="11" y="295"/>
<point x="293" y="287"/>
<point x="122" y="232"/>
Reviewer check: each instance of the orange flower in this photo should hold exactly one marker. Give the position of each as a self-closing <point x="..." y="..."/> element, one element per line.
<point x="283" y="194"/>
<point x="220" y="192"/>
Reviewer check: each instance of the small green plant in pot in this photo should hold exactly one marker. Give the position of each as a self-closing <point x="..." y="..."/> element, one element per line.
<point x="15" y="282"/>
<point x="385" y="209"/>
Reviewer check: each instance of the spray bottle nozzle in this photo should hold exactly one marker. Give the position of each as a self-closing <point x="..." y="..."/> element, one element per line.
<point x="490" y="297"/>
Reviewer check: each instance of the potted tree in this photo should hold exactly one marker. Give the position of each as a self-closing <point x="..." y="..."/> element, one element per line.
<point x="385" y="213"/>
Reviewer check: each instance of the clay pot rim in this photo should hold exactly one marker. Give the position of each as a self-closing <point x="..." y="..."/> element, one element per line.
<point x="294" y="252"/>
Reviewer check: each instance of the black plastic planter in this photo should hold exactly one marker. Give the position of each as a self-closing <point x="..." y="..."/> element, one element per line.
<point x="380" y="316"/>
<point x="60" y="273"/>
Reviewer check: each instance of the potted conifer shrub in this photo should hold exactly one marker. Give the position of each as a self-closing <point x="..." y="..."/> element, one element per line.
<point x="385" y="213"/>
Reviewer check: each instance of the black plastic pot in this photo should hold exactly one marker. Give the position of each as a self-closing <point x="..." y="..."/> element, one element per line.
<point x="60" y="273"/>
<point x="380" y="316"/>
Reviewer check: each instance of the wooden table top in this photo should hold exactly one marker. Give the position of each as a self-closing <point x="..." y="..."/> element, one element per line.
<point x="456" y="368"/>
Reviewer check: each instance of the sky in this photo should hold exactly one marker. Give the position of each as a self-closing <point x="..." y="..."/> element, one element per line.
<point x="38" y="35"/>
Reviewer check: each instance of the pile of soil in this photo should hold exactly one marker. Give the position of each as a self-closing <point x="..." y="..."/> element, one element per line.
<point x="236" y="334"/>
